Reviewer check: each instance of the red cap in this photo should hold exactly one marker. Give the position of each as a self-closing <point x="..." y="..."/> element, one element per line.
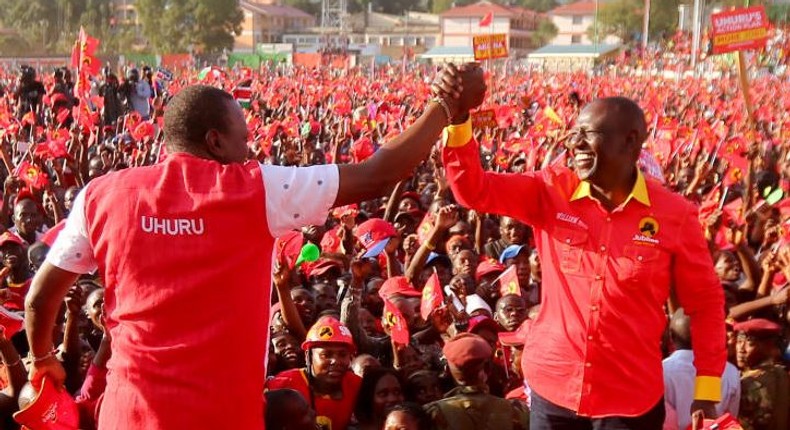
<point x="397" y="285"/>
<point x="487" y="267"/>
<point x="324" y="265"/>
<point x="758" y="327"/>
<point x="8" y="237"/>
<point x="466" y="348"/>
<point x="50" y="410"/>
<point x="328" y="329"/>
<point x="518" y="337"/>
<point x="374" y="234"/>
<point x="482" y="322"/>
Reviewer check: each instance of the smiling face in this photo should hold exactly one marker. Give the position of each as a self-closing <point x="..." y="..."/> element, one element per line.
<point x="330" y="362"/>
<point x="605" y="144"/>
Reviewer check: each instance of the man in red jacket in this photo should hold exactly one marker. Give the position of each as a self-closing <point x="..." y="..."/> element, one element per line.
<point x="611" y="244"/>
<point x="187" y="297"/>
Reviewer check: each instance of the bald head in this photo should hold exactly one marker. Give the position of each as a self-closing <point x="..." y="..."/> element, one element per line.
<point x="625" y="115"/>
<point x="680" y="329"/>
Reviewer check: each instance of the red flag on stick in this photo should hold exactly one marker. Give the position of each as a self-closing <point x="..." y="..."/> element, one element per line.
<point x="432" y="296"/>
<point x="508" y="282"/>
<point x="396" y="323"/>
<point x="31" y="175"/>
<point x="486" y="20"/>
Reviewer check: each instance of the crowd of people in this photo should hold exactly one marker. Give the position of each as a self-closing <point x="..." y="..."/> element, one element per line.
<point x="422" y="303"/>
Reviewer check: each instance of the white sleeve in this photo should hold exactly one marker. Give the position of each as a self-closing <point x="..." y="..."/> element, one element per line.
<point x="72" y="250"/>
<point x="298" y="196"/>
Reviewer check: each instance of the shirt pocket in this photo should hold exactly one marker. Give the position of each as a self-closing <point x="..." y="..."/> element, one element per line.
<point x="640" y="263"/>
<point x="571" y="245"/>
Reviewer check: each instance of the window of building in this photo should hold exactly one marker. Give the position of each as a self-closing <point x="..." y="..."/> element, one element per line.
<point x="576" y="39"/>
<point x="577" y="20"/>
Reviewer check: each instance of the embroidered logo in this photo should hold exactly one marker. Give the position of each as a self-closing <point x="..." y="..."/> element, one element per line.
<point x="571" y="219"/>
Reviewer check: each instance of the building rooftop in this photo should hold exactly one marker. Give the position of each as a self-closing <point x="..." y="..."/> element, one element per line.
<point x="480" y="9"/>
<point x="584" y="7"/>
<point x="574" y="50"/>
<point x="449" y="51"/>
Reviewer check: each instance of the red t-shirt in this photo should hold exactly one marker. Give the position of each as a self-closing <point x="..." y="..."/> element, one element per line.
<point x="331" y="414"/>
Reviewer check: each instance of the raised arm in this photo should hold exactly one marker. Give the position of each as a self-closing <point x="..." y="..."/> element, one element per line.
<point x="397" y="159"/>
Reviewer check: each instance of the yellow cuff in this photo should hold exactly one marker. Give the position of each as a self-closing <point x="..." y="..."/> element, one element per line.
<point x="456" y="136"/>
<point x="708" y="388"/>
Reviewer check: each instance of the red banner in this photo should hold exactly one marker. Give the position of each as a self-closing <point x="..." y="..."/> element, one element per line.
<point x="484" y="118"/>
<point x="739" y="29"/>
<point x="490" y="46"/>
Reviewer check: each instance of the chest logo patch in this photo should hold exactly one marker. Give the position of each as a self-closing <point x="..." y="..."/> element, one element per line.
<point x="648" y="227"/>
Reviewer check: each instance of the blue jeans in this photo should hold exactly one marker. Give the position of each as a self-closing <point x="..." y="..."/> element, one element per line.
<point x="545" y="415"/>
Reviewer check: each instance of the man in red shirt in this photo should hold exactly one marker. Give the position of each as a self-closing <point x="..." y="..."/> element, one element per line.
<point x="327" y="383"/>
<point x="187" y="298"/>
<point x="612" y="243"/>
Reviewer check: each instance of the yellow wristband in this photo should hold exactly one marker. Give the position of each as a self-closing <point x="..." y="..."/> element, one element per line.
<point x="708" y="388"/>
<point x="456" y="136"/>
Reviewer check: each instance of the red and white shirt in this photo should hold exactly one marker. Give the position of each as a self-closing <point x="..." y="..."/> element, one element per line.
<point x="185" y="250"/>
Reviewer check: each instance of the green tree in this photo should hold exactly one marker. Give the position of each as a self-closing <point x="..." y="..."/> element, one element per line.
<point x="176" y="25"/>
<point x="625" y="18"/>
<point x="539" y="5"/>
<point x="544" y="33"/>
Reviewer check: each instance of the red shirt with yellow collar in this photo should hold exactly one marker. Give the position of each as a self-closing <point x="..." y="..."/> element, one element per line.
<point x="595" y="346"/>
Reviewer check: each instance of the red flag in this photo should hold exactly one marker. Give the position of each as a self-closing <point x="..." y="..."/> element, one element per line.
<point x="29" y="118"/>
<point x="432" y="296"/>
<point x="51" y="149"/>
<point x="288" y="247"/>
<point x="31" y="175"/>
<point x="394" y="320"/>
<point x="508" y="282"/>
<point x="487" y="19"/>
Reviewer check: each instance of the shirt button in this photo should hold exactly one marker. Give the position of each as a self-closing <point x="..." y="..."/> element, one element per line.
<point x="598" y="277"/>
<point x="567" y="241"/>
<point x="639" y="258"/>
<point x="608" y="219"/>
<point x="603" y="248"/>
<point x="588" y="365"/>
<point x="593" y="308"/>
<point x="589" y="337"/>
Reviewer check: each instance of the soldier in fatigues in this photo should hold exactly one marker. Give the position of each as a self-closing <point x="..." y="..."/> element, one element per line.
<point x="765" y="391"/>
<point x="469" y="406"/>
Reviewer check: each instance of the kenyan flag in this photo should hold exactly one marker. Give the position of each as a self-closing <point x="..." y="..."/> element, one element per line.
<point x="243" y="96"/>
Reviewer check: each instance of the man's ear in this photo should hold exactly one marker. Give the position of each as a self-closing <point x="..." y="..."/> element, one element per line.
<point x="214" y="145"/>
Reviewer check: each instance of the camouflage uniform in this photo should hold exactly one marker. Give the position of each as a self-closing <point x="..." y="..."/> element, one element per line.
<point x="472" y="408"/>
<point x="765" y="398"/>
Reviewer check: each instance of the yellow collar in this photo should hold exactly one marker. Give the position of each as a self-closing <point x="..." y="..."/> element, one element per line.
<point x="638" y="193"/>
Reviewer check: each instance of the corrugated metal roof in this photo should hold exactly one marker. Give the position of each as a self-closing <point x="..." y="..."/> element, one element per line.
<point x="449" y="51"/>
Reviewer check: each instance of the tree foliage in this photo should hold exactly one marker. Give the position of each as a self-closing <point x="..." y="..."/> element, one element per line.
<point x="624" y="19"/>
<point x="539" y="5"/>
<point x="545" y="32"/>
<point x="206" y="26"/>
